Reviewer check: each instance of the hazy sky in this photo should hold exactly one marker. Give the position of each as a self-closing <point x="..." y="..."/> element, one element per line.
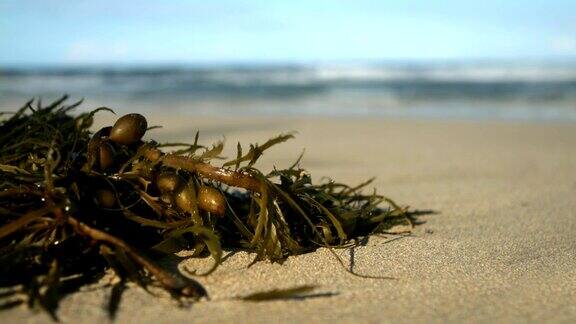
<point x="152" y="31"/>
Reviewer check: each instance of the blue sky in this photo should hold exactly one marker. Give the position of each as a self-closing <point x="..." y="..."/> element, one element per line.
<point x="66" y="32"/>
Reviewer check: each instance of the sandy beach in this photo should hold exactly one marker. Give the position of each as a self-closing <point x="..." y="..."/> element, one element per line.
<point x="501" y="248"/>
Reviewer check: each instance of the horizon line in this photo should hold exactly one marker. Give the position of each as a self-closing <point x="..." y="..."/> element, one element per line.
<point x="296" y="63"/>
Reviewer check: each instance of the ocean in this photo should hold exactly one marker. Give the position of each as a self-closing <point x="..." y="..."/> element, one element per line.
<point x="481" y="90"/>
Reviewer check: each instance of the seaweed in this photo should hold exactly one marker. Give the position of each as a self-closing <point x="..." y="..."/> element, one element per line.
<point x="75" y="204"/>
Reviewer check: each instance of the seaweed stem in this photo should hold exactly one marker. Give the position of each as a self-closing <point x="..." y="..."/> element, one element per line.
<point x="24" y="220"/>
<point x="168" y="280"/>
<point x="229" y="177"/>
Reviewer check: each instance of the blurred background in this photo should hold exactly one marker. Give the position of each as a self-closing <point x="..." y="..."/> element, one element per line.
<point x="491" y="59"/>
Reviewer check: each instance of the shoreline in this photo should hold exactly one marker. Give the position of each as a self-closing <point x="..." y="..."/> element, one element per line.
<point x="327" y="108"/>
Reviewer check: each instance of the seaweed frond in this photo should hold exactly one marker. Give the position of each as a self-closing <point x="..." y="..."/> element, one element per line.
<point x="74" y="204"/>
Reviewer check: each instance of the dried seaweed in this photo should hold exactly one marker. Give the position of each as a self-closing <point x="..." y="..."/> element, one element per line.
<point x="74" y="204"/>
<point x="300" y="292"/>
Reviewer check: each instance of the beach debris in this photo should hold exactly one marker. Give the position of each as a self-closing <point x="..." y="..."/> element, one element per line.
<point x="300" y="292"/>
<point x="74" y="204"/>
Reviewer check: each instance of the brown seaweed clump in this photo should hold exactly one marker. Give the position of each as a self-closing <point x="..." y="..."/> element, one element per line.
<point x="74" y="204"/>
